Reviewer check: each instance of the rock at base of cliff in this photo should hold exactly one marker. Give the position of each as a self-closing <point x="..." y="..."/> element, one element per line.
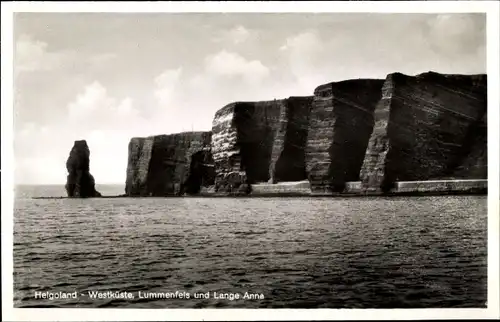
<point x="201" y="173"/>
<point x="233" y="183"/>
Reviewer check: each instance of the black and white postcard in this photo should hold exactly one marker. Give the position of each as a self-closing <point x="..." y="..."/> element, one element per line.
<point x="333" y="159"/>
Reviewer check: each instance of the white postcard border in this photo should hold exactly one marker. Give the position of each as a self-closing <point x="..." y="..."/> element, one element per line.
<point x="491" y="8"/>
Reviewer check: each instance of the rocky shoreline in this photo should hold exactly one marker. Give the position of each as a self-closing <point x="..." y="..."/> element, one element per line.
<point x="376" y="133"/>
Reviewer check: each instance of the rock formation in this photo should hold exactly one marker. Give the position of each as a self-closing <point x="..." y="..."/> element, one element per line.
<point x="172" y="164"/>
<point x="473" y="163"/>
<point x="139" y="155"/>
<point x="259" y="141"/>
<point x="404" y="128"/>
<point x="340" y="124"/>
<point x="80" y="183"/>
<point x="288" y="152"/>
<point x="427" y="127"/>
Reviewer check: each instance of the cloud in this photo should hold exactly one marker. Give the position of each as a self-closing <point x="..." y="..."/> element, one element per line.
<point x="236" y="35"/>
<point x="188" y="99"/>
<point x="102" y="58"/>
<point x="106" y="122"/>
<point x="93" y="99"/>
<point x="95" y="105"/>
<point x="179" y="97"/>
<point x="305" y="54"/>
<point x="457" y="34"/>
<point x="226" y="63"/>
<point x="32" y="55"/>
<point x="307" y="41"/>
<point x="166" y="84"/>
<point x="239" y="34"/>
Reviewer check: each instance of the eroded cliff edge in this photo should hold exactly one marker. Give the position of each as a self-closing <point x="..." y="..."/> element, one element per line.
<point x="427" y="127"/>
<point x="256" y="142"/>
<point x="371" y="131"/>
<point x="340" y="125"/>
<point x="80" y="183"/>
<point x="165" y="165"/>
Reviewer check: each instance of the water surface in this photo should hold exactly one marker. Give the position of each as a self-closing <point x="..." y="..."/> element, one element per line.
<point x="400" y="252"/>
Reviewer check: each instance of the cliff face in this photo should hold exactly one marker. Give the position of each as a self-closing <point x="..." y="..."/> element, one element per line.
<point x="80" y="183"/>
<point x="404" y="128"/>
<point x="288" y="152"/>
<point x="475" y="162"/>
<point x="340" y="125"/>
<point x="139" y="155"/>
<point x="431" y="126"/>
<point x="258" y="142"/>
<point x="169" y="164"/>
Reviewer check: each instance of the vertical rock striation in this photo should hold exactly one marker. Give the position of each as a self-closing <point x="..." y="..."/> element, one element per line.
<point x="288" y="151"/>
<point x="80" y="183"/>
<point x="139" y="155"/>
<point x="427" y="127"/>
<point x="340" y="124"/>
<point x="243" y="134"/>
<point x="473" y="164"/>
<point x="404" y="128"/>
<point x="258" y="141"/>
<point x="172" y="164"/>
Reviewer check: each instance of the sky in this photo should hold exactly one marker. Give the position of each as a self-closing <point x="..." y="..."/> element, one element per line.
<point x="108" y="77"/>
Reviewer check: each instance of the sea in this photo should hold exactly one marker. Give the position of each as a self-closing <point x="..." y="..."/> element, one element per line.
<point x="275" y="252"/>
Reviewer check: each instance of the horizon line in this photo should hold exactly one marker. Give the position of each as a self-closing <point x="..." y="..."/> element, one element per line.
<point x="64" y="183"/>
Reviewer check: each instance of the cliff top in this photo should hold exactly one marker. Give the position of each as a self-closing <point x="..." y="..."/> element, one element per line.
<point x="176" y="135"/>
<point x="80" y="143"/>
<point x="224" y="110"/>
<point x="347" y="83"/>
<point x="430" y="75"/>
<point x="434" y="76"/>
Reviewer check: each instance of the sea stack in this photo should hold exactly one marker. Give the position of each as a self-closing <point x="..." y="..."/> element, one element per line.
<point x="80" y="183"/>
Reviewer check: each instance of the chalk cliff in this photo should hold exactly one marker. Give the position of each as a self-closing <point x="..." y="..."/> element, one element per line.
<point x="427" y="127"/>
<point x="256" y="142"/>
<point x="172" y="164"/>
<point x="340" y="124"/>
<point x="80" y="183"/>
